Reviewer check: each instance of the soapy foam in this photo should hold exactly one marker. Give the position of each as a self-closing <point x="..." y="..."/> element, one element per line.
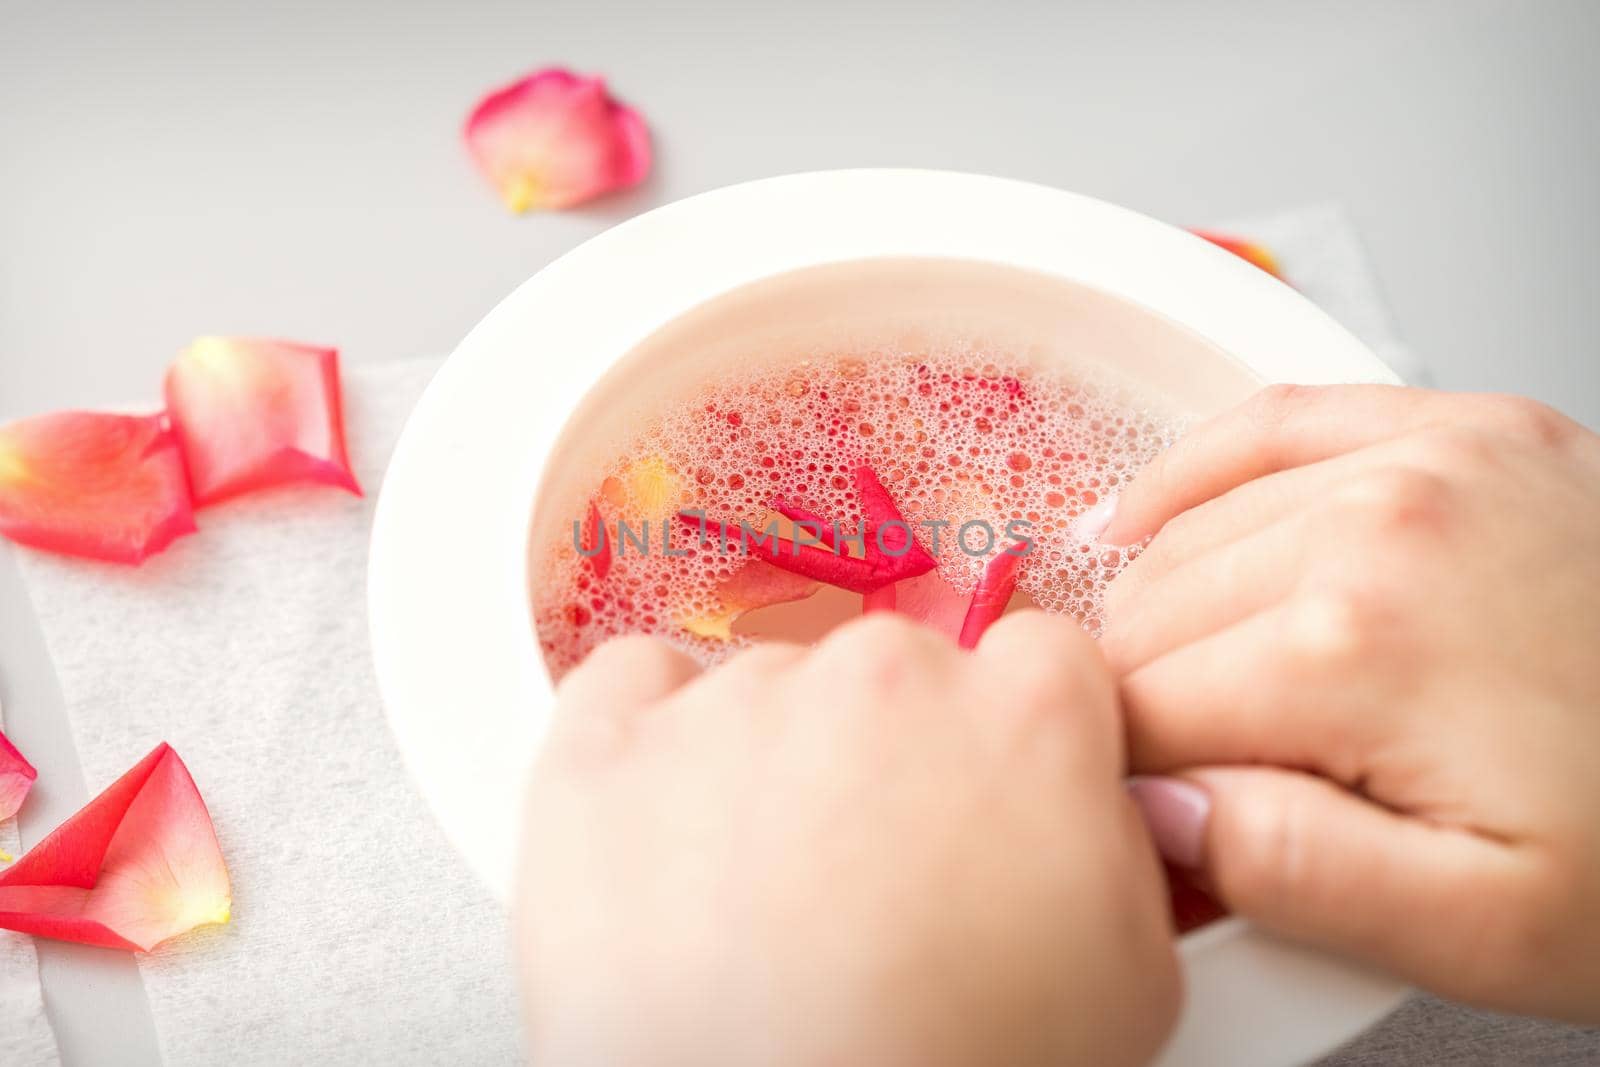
<point x="955" y="435"/>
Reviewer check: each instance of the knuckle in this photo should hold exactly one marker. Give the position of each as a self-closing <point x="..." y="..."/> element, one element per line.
<point x="1044" y="667"/>
<point x="877" y="652"/>
<point x="1332" y="628"/>
<point x="630" y="653"/>
<point x="878" y="632"/>
<point x="753" y="668"/>
<point x="1281" y="395"/>
<point x="763" y="658"/>
<point x="1269" y="407"/>
<point x="1529" y="420"/>
<point x="1051" y="650"/>
<point x="1400" y="502"/>
<point x="1460" y="448"/>
<point x="1041" y="684"/>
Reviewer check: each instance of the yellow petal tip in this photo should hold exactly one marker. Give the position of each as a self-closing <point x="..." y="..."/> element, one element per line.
<point x="12" y="466"/>
<point x="520" y="194"/>
<point x="716" y="627"/>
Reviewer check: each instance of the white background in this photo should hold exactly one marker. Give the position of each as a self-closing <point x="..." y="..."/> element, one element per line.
<point x="295" y="169"/>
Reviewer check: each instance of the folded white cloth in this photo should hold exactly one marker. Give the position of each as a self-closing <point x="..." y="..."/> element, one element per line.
<point x="358" y="935"/>
<point x="25" y="1033"/>
<point x="1322" y="256"/>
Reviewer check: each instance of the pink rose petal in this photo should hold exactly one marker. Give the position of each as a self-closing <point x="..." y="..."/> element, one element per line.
<point x="91" y="484"/>
<point x="555" y="139"/>
<point x="753" y="586"/>
<point x="256" y="413"/>
<point x="137" y="865"/>
<point x="933" y="602"/>
<point x="1248" y="251"/>
<point x="16" y="778"/>
<point x="994" y="591"/>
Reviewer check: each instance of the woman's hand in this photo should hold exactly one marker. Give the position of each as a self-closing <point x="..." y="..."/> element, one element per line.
<point x="1395" y="593"/>
<point x="878" y="851"/>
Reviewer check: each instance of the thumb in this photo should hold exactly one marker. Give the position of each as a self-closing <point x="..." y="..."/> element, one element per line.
<point x="1306" y="858"/>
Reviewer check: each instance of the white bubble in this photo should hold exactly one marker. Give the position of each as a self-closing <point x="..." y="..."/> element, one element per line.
<point x="946" y="430"/>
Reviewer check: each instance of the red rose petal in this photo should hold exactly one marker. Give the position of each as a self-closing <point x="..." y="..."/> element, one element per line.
<point x="1192" y="907"/>
<point x="1246" y="250"/>
<point x="989" y="600"/>
<point x="879" y="600"/>
<point x="813" y="525"/>
<point x="91" y="484"/>
<point x="138" y="865"/>
<point x="890" y="552"/>
<point x="933" y="602"/>
<point x="555" y="139"/>
<point x="16" y="778"/>
<point x="256" y="413"/>
<point x="594" y="542"/>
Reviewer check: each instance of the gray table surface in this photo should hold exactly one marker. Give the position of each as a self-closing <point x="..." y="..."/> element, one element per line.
<point x="294" y="169"/>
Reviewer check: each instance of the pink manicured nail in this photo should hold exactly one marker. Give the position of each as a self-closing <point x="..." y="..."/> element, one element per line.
<point x="1092" y="523"/>
<point x="1175" y="812"/>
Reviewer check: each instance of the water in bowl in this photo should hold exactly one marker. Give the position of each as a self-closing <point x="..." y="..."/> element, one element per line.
<point x="986" y="401"/>
<point x="981" y="397"/>
<point x="979" y="448"/>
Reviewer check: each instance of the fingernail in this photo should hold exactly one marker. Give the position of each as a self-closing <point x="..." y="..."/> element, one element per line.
<point x="1175" y="812"/>
<point x="1092" y="523"/>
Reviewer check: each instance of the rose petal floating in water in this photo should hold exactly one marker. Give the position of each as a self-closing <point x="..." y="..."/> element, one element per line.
<point x="934" y="602"/>
<point x="138" y="865"/>
<point x="256" y="413"/>
<point x="994" y="591"/>
<point x="655" y="488"/>
<point x="555" y="139"/>
<point x="890" y="552"/>
<point x="92" y="484"/>
<point x="755" y="585"/>
<point x="16" y="778"/>
<point x="595" y="542"/>
<point x="1246" y="250"/>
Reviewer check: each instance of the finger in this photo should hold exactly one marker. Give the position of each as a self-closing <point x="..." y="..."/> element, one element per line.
<point x="1264" y="500"/>
<point x="879" y="650"/>
<point x="1301" y="856"/>
<point x="1248" y="508"/>
<point x="1030" y="662"/>
<point x="628" y="671"/>
<point x="1278" y="687"/>
<point x="738" y="685"/>
<point x="1055" y="643"/>
<point x="1209" y="592"/>
<point x="1278" y="428"/>
<point x="597" y="698"/>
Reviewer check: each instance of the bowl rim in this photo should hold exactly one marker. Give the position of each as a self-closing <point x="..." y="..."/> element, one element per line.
<point x="458" y="667"/>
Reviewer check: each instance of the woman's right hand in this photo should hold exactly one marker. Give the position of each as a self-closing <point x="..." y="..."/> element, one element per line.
<point x="1361" y="662"/>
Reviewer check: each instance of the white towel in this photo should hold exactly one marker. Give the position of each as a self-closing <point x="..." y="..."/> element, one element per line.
<point x="357" y="936"/>
<point x="25" y="1034"/>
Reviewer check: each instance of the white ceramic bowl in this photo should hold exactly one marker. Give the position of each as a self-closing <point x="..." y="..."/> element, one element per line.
<point x="457" y="661"/>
